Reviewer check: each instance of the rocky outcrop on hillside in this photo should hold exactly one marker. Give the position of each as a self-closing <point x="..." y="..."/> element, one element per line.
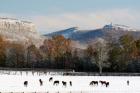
<point x="19" y="31"/>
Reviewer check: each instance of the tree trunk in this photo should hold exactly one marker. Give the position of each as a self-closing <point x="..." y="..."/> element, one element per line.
<point x="100" y="69"/>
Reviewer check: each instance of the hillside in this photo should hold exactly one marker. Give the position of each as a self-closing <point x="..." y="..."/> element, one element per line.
<point x="85" y="36"/>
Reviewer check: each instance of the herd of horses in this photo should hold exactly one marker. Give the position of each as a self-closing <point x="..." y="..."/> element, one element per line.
<point x="64" y="83"/>
<point x="56" y="82"/>
<point x="106" y="83"/>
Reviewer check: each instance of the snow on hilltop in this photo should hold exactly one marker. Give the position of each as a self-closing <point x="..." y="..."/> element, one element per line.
<point x="18" y="31"/>
<point x="118" y="27"/>
<point x="66" y="32"/>
<point x="16" y="25"/>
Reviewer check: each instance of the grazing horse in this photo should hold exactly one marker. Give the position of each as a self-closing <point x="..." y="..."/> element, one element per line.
<point x="25" y="83"/>
<point x="102" y="82"/>
<point x="70" y="83"/>
<point x="56" y="82"/>
<point x="50" y="79"/>
<point x="94" y="83"/>
<point x="127" y="82"/>
<point x="107" y="84"/>
<point x="64" y="83"/>
<point x="41" y="82"/>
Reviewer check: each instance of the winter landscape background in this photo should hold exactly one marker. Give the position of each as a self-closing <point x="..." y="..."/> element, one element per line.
<point x="75" y="46"/>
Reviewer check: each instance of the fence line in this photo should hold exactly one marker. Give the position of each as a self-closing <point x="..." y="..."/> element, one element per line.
<point x="68" y="72"/>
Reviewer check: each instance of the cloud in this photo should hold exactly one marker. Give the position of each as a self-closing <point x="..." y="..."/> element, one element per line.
<point x="87" y="20"/>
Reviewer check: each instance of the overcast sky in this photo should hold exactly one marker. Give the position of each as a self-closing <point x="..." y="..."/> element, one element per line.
<point x="54" y="15"/>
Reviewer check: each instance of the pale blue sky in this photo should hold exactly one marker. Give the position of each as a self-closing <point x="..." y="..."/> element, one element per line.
<point x="51" y="15"/>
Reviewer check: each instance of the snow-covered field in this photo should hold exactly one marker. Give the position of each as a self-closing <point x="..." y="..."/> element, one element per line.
<point x="80" y="84"/>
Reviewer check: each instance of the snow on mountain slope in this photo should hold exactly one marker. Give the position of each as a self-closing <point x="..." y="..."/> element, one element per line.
<point x="85" y="36"/>
<point x="66" y="33"/>
<point x="118" y="27"/>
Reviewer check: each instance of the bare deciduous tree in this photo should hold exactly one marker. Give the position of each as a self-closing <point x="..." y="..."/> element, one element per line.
<point x="101" y="54"/>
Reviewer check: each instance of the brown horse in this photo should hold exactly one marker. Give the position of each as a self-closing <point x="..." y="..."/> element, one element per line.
<point x="104" y="83"/>
<point x="64" y="83"/>
<point x="107" y="84"/>
<point x="127" y="82"/>
<point x="70" y="83"/>
<point x="56" y="82"/>
<point x="50" y="79"/>
<point x="25" y="83"/>
<point x="41" y="82"/>
<point x="94" y="83"/>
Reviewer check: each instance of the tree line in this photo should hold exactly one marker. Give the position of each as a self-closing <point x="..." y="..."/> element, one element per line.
<point x="103" y="55"/>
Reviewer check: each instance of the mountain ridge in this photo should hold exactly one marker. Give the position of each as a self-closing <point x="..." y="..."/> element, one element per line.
<point x="85" y="36"/>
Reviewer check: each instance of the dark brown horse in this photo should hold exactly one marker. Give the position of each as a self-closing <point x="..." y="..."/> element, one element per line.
<point x="25" y="83"/>
<point x="70" y="83"/>
<point x="127" y="82"/>
<point x="104" y="83"/>
<point x="94" y="83"/>
<point x="64" y="83"/>
<point x="107" y="84"/>
<point x="50" y="79"/>
<point x="41" y="82"/>
<point x="56" y="82"/>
